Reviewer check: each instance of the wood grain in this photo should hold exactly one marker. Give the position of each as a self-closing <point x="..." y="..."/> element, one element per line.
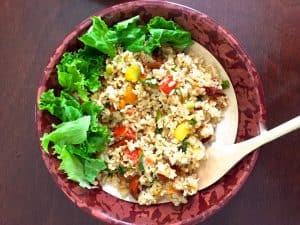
<point x="30" y="31"/>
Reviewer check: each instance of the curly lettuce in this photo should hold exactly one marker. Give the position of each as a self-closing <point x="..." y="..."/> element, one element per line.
<point x="79" y="72"/>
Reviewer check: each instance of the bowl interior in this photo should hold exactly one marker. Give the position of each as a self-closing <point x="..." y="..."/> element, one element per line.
<point x="247" y="86"/>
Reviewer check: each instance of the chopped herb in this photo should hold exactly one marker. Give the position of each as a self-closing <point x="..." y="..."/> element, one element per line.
<point x="150" y="82"/>
<point x="184" y="145"/>
<point x="121" y="170"/>
<point x="158" y="115"/>
<point x="174" y="68"/>
<point x="158" y="130"/>
<point x="225" y="84"/>
<point x="110" y="173"/>
<point x="177" y="91"/>
<point x="193" y="121"/>
<point x="200" y="97"/>
<point x="152" y="175"/>
<point x="141" y="163"/>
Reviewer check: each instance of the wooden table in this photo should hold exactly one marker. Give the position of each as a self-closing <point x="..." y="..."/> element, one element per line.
<point x="30" y="31"/>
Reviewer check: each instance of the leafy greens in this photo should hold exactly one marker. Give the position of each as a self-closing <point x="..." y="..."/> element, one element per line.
<point x="134" y="37"/>
<point x="79" y="72"/>
<point x="80" y="136"/>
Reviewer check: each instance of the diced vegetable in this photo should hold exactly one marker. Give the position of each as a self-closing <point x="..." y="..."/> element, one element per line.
<point x="190" y="105"/>
<point x="133" y="155"/>
<point x="150" y="82"/>
<point x="143" y="76"/>
<point x="122" y="132"/>
<point x="225" y="84"/>
<point x="167" y="84"/>
<point x="158" y="115"/>
<point x="129" y="96"/>
<point x="133" y="73"/>
<point x="193" y="121"/>
<point x="214" y="92"/>
<point x="162" y="178"/>
<point x="122" y="104"/>
<point x="121" y="170"/>
<point x="200" y="97"/>
<point x="119" y="143"/>
<point x="181" y="131"/>
<point x="172" y="190"/>
<point x="141" y="163"/>
<point x="158" y="130"/>
<point x="134" y="188"/>
<point x="184" y="145"/>
<point x="177" y="169"/>
<point x="149" y="161"/>
<point x="154" y="64"/>
<point x="109" y="69"/>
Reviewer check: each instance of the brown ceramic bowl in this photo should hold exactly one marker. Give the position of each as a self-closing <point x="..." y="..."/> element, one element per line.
<point x="248" y="89"/>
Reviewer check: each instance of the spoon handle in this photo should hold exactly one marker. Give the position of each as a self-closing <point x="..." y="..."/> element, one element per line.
<point x="267" y="136"/>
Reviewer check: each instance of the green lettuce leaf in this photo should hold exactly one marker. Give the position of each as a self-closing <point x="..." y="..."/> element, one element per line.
<point x="123" y="25"/>
<point x="134" y="37"/>
<point x="130" y="35"/>
<point x="83" y="170"/>
<point x="99" y="36"/>
<point x="66" y="133"/>
<point x="79" y="72"/>
<point x="93" y="109"/>
<point x="97" y="140"/>
<point x="73" y="167"/>
<point x="65" y="107"/>
<point x="92" y="168"/>
<point x="98" y="135"/>
<point x="163" y="31"/>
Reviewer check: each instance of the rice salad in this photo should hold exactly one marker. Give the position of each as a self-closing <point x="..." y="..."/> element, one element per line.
<point x="163" y="135"/>
<point x="136" y="109"/>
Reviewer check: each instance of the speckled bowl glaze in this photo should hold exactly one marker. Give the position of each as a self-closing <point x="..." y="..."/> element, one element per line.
<point x="249" y="93"/>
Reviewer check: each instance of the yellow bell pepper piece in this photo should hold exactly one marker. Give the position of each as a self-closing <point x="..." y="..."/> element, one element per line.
<point x="133" y="73"/>
<point x="181" y="131"/>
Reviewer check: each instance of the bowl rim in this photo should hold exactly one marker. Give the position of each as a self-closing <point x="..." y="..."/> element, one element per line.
<point x="227" y="35"/>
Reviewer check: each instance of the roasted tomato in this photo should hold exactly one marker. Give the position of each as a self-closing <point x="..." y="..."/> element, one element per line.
<point x="214" y="92"/>
<point x="154" y="64"/>
<point x="134" y="187"/>
<point x="162" y="178"/>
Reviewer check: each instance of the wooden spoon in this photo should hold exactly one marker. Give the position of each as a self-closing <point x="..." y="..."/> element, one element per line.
<point x="221" y="158"/>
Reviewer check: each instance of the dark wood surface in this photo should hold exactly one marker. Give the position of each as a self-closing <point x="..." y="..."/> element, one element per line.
<point x="30" y="30"/>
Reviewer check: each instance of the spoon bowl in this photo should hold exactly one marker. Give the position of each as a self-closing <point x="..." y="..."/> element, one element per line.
<point x="222" y="158"/>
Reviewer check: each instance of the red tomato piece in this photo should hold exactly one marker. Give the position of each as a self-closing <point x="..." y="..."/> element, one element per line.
<point x="133" y="155"/>
<point x="134" y="188"/>
<point x="167" y="84"/>
<point x="122" y="132"/>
